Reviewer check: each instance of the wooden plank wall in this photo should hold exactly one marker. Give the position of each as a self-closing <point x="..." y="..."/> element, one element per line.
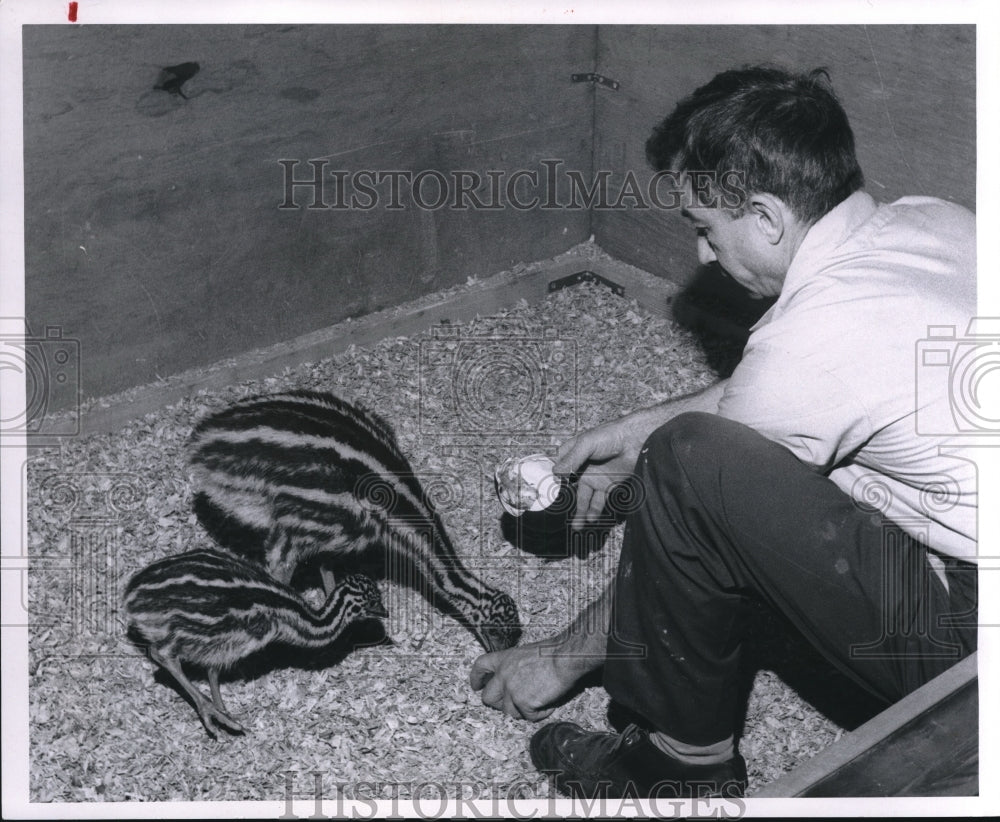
<point x="909" y="91"/>
<point x="153" y="233"/>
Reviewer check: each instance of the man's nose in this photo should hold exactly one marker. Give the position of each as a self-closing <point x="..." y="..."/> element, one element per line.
<point x="705" y="253"/>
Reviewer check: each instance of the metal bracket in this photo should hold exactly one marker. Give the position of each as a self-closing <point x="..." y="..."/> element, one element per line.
<point x="588" y="277"/>
<point x="591" y="77"/>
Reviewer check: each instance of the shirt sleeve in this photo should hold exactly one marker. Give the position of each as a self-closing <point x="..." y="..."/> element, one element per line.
<point x="798" y="402"/>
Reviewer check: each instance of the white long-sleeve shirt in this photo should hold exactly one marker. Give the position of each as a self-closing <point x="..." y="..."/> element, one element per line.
<point x="846" y="372"/>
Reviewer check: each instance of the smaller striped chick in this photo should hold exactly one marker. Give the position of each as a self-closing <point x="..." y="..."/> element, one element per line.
<point x="210" y="609"/>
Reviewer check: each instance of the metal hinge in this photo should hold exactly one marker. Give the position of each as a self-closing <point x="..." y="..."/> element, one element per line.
<point x="591" y="77"/>
<point x="585" y="277"/>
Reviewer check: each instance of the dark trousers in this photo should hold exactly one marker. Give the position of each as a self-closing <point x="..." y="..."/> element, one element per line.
<point x="730" y="515"/>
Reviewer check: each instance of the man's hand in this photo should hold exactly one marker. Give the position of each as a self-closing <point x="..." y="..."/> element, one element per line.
<point x="607" y="455"/>
<point x="529" y="681"/>
<point x="523" y="682"/>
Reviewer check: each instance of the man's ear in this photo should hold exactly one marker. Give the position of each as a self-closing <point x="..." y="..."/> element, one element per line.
<point x="771" y="216"/>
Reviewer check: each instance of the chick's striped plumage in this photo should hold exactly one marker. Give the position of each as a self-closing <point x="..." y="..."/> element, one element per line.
<point x="212" y="610"/>
<point x="286" y="478"/>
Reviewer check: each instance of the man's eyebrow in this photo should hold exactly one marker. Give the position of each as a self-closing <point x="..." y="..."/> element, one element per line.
<point x="688" y="215"/>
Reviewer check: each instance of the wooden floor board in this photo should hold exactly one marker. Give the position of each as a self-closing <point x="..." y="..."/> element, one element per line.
<point x="927" y="744"/>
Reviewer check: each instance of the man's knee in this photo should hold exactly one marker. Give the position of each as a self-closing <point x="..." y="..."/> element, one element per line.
<point x="695" y="434"/>
<point x="697" y="447"/>
<point x="690" y="436"/>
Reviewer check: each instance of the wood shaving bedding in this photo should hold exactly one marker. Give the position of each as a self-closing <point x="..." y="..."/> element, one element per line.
<point x="386" y="719"/>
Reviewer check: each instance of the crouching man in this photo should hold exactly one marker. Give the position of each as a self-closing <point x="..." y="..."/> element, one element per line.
<point x="805" y="480"/>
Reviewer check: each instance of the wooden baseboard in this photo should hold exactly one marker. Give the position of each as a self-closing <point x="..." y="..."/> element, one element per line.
<point x="481" y="298"/>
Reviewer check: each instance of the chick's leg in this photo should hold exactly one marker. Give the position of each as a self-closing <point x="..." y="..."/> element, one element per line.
<point x="221" y="710"/>
<point x="208" y="712"/>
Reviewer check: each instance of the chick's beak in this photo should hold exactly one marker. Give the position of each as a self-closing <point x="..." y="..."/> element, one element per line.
<point x="497" y="640"/>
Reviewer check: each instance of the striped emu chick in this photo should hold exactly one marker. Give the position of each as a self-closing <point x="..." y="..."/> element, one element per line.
<point x="290" y="478"/>
<point x="211" y="610"/>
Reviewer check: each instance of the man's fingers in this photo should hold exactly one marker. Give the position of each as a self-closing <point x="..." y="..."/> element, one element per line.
<point x="583" y="496"/>
<point x="510" y="681"/>
<point x="482" y="671"/>
<point x="590" y="502"/>
<point x="510" y="708"/>
<point x="533" y="715"/>
<point x="570" y="456"/>
<point x="537" y="716"/>
<point x="494" y="696"/>
<point x="597" y="502"/>
<point x="497" y="697"/>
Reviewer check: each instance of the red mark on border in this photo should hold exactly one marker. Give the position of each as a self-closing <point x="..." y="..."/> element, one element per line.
<point x="72" y="12"/>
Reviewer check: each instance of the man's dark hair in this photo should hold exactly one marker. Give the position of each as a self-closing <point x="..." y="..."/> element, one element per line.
<point x="785" y="133"/>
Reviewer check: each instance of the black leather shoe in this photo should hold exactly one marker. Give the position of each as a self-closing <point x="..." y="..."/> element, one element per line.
<point x="593" y="765"/>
